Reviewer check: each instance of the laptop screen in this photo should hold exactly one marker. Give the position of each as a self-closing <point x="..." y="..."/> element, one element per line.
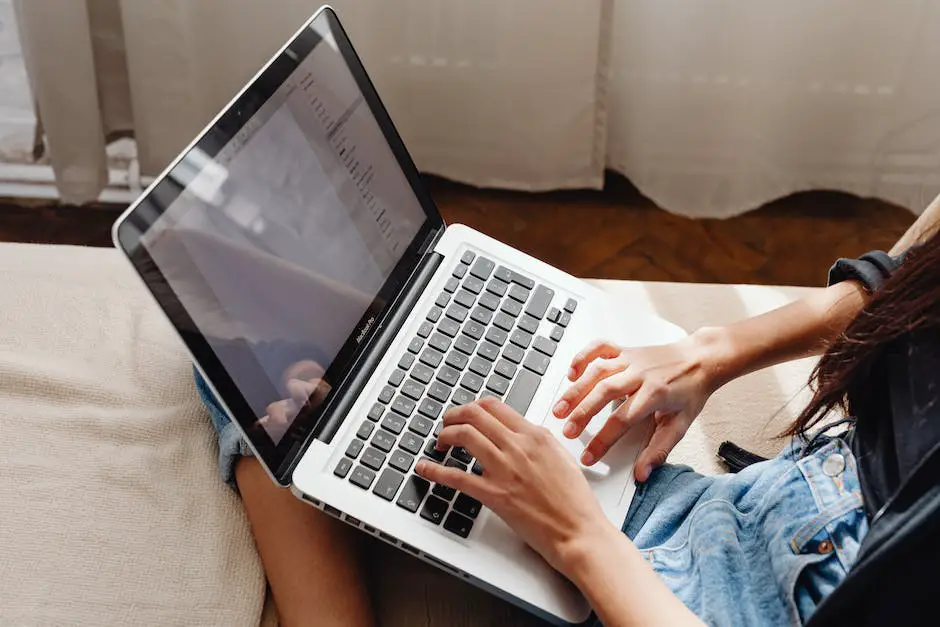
<point x="279" y="238"/>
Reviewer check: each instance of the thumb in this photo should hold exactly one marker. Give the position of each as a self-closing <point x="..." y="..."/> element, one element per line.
<point x="664" y="439"/>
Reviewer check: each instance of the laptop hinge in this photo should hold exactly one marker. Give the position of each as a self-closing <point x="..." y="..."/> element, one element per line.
<point x="349" y="390"/>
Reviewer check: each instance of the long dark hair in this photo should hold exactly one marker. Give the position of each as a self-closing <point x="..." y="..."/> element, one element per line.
<point x="908" y="302"/>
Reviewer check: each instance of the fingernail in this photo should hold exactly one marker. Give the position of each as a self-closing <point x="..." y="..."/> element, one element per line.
<point x="588" y="458"/>
<point x="572" y="374"/>
<point x="571" y="430"/>
<point x="419" y="467"/>
<point x="560" y="408"/>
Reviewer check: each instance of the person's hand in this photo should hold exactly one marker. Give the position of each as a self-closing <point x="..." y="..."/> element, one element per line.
<point x="303" y="381"/>
<point x="529" y="480"/>
<point x="668" y="384"/>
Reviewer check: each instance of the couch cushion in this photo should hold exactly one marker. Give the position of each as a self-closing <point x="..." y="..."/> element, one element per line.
<point x="112" y="509"/>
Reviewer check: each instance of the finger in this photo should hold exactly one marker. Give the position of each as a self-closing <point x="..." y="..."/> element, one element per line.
<point x="300" y="391"/>
<point x="280" y="413"/>
<point x="305" y="370"/>
<point x="510" y="418"/>
<point x="657" y="451"/>
<point x="477" y="416"/>
<point x="453" y="478"/>
<point x="595" y="373"/>
<point x="476" y="443"/>
<point x="618" y="423"/>
<point x="595" y="350"/>
<point x="605" y="392"/>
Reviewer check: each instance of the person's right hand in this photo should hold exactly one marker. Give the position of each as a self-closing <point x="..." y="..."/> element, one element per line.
<point x="668" y="384"/>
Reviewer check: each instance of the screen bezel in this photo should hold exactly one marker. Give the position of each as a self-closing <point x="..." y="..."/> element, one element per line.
<point x="278" y="458"/>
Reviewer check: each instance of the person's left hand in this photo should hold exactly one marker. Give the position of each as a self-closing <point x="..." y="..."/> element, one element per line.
<point x="529" y="480"/>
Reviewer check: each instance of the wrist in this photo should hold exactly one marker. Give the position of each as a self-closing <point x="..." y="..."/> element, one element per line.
<point x="713" y="351"/>
<point x="582" y="556"/>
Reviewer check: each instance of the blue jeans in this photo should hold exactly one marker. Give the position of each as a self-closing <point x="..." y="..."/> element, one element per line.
<point x="231" y="443"/>
<point x="761" y="547"/>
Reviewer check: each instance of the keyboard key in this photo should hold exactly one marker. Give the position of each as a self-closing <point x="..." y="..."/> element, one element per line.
<point x="497" y="287"/>
<point x="483" y="268"/>
<point x="440" y="342"/>
<point x="406" y="361"/>
<point x="474" y="330"/>
<point x="383" y="440"/>
<point x="496" y="336"/>
<point x="557" y="333"/>
<point x="385" y="396"/>
<point x="439" y="392"/>
<point x="523" y="280"/>
<point x="421" y="425"/>
<point x="451" y="286"/>
<point x="443" y="491"/>
<point x="424" y="330"/>
<point x="565" y="320"/>
<point x="457" y="312"/>
<point x="397" y="377"/>
<point x="449" y="376"/>
<point x="462" y="397"/>
<point x="505" y="368"/>
<point x="458" y="524"/>
<point x="482" y="315"/>
<point x="523" y="390"/>
<point x="434" y="509"/>
<point x="467" y="257"/>
<point x="449" y="327"/>
<point x="431" y="357"/>
<point x="403" y="405"/>
<point x="498" y="383"/>
<point x="461" y="454"/>
<point x="467" y="505"/>
<point x="354" y="448"/>
<point x="376" y="412"/>
<point x="465" y="299"/>
<point x="465" y="345"/>
<point x="514" y="354"/>
<point x="413" y="389"/>
<point x="365" y="430"/>
<point x="473" y="284"/>
<point x="430" y="408"/>
<point x="413" y="493"/>
<point x="422" y="373"/>
<point x="342" y="468"/>
<point x="529" y="324"/>
<point x="461" y="270"/>
<point x="388" y="484"/>
<point x="521" y="338"/>
<point x="490" y="301"/>
<point x="511" y="307"/>
<point x="362" y="477"/>
<point x="440" y="426"/>
<point x="553" y="315"/>
<point x="540" y="301"/>
<point x="480" y="366"/>
<point x="519" y="293"/>
<point x="472" y="382"/>
<point x="416" y="345"/>
<point x="571" y="305"/>
<point x="453" y="463"/>
<point x="477" y="468"/>
<point x="503" y="274"/>
<point x="411" y="443"/>
<point x="400" y="460"/>
<point x="435" y="314"/>
<point x="489" y="393"/>
<point x="393" y="423"/>
<point x="504" y="321"/>
<point x="373" y="458"/>
<point x="544" y="345"/>
<point x="536" y="362"/>
<point x="457" y="360"/>
<point x="431" y="451"/>
<point x="442" y="299"/>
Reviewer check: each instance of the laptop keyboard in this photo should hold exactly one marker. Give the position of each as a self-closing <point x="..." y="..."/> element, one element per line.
<point x="491" y="332"/>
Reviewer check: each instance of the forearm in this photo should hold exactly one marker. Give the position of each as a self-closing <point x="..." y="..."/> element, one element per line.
<point x="925" y="226"/>
<point x="620" y="584"/>
<point x="800" y="329"/>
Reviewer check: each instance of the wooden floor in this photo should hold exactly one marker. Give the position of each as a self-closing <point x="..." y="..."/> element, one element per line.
<point x="615" y="234"/>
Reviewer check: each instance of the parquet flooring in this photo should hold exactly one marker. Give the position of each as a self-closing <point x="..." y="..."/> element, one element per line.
<point x="616" y="233"/>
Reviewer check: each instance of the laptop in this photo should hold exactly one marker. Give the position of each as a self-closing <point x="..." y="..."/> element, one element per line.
<point x="336" y="317"/>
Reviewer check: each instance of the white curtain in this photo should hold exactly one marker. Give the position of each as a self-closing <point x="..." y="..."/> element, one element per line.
<point x="712" y="107"/>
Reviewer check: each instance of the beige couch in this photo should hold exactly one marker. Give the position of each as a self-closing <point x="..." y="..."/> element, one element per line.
<point x="111" y="509"/>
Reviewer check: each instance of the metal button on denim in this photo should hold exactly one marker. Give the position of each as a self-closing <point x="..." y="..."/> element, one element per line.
<point x="824" y="547"/>
<point x="834" y="464"/>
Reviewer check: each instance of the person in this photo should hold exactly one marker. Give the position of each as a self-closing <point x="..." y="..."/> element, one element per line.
<point x="841" y="528"/>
